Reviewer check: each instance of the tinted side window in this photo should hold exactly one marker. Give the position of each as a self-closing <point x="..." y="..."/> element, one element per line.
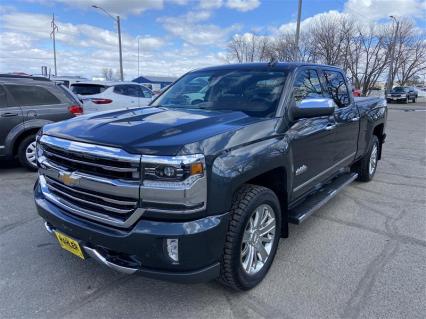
<point x="26" y="95"/>
<point x="129" y="90"/>
<point x="146" y="93"/>
<point x="3" y="98"/>
<point x="307" y="85"/>
<point x="337" y="88"/>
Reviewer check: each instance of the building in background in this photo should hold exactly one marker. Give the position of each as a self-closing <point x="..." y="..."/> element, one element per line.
<point x="155" y="83"/>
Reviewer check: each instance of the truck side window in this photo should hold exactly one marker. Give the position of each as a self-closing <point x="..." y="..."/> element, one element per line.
<point x="307" y="85"/>
<point x="337" y="88"/>
<point x="3" y="99"/>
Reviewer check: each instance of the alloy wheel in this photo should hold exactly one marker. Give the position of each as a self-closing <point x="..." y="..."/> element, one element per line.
<point x="373" y="160"/>
<point x="30" y="154"/>
<point x="258" y="238"/>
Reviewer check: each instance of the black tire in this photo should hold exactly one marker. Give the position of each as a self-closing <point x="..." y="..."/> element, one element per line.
<point x="363" y="166"/>
<point x="245" y="201"/>
<point x="22" y="149"/>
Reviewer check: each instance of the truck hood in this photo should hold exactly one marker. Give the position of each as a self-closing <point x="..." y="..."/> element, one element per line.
<point x="157" y="131"/>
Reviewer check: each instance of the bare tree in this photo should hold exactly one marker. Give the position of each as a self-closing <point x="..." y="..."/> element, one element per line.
<point x="108" y="74"/>
<point x="329" y="39"/>
<point x="367" y="57"/>
<point x="284" y="47"/>
<point x="413" y="64"/>
<point x="249" y="47"/>
<point x="410" y="52"/>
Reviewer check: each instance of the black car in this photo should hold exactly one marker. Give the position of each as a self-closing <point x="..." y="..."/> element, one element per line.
<point x="204" y="182"/>
<point x="402" y="93"/>
<point x="26" y="104"/>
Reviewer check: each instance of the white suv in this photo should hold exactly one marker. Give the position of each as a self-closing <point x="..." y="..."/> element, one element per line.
<point x="100" y="96"/>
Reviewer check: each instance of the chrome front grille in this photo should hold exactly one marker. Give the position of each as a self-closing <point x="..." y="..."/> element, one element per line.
<point x="92" y="181"/>
<point x="91" y="164"/>
<point x="91" y="200"/>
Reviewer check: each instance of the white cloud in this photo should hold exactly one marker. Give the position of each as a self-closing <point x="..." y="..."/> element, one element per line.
<point x="188" y="28"/>
<point x="83" y="49"/>
<point x="243" y="5"/>
<point x="211" y="4"/>
<point x="379" y="9"/>
<point x="291" y="26"/>
<point x="117" y="7"/>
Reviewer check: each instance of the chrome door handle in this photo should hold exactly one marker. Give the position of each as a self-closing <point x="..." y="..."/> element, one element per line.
<point x="355" y="119"/>
<point x="330" y="127"/>
<point x="9" y="114"/>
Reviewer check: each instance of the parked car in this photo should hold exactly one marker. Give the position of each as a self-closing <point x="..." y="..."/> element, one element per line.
<point x="196" y="188"/>
<point x="402" y="93"/>
<point x="107" y="96"/>
<point x="356" y="92"/>
<point x="67" y="80"/>
<point x="26" y="104"/>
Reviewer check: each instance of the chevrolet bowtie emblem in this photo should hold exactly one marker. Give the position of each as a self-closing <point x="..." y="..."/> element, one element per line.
<point x="69" y="179"/>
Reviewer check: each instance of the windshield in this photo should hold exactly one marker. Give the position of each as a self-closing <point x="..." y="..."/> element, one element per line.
<point x="400" y="89"/>
<point x="255" y="93"/>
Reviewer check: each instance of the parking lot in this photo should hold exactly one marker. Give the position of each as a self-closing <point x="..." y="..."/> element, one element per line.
<point x="363" y="255"/>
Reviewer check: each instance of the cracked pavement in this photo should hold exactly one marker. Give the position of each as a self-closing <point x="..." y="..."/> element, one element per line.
<point x="363" y="255"/>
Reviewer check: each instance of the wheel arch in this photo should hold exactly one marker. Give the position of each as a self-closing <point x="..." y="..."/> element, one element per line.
<point x="276" y="180"/>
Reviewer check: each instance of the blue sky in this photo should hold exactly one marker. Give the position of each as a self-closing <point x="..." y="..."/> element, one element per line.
<point x="175" y="35"/>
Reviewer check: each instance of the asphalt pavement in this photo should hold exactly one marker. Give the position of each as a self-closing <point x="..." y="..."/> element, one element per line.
<point x="363" y="255"/>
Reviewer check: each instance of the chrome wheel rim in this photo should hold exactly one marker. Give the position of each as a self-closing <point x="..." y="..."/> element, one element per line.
<point x="373" y="159"/>
<point x="30" y="153"/>
<point x="258" y="239"/>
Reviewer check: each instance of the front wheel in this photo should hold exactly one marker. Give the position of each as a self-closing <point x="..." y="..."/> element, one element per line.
<point x="252" y="238"/>
<point x="27" y="153"/>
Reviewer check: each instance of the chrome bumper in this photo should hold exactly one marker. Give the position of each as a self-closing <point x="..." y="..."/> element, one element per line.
<point x="96" y="255"/>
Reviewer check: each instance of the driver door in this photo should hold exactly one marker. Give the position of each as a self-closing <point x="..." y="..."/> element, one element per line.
<point x="313" y="138"/>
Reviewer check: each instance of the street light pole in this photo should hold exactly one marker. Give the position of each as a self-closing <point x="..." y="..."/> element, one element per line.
<point x="392" y="57"/>
<point x="299" y="15"/>
<point x="119" y="48"/>
<point x="53" y="35"/>
<point x="117" y="20"/>
<point x="138" y="54"/>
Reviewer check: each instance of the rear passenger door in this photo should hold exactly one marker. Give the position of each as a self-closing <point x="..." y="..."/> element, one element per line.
<point x="126" y="95"/>
<point x="346" y="117"/>
<point x="10" y="116"/>
<point x="37" y="102"/>
<point x="146" y="96"/>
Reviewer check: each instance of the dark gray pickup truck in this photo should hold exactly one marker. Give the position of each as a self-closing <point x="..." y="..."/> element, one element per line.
<point x="204" y="182"/>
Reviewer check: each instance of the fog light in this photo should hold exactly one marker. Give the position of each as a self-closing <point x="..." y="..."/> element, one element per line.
<point x="173" y="249"/>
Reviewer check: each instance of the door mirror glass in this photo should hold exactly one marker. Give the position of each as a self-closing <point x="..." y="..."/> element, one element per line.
<point x="313" y="107"/>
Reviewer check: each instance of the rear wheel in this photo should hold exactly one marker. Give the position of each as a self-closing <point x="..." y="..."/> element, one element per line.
<point x="252" y="237"/>
<point x="366" y="167"/>
<point x="27" y="153"/>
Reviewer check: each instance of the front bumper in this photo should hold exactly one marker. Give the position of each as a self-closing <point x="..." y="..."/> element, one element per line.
<point x="143" y="247"/>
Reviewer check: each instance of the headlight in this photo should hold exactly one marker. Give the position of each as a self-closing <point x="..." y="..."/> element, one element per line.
<point x="173" y="168"/>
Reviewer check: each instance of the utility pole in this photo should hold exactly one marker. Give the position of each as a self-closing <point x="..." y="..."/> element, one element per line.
<point x="299" y="15"/>
<point x="392" y="57"/>
<point x="119" y="48"/>
<point x="138" y="37"/>
<point x="117" y="20"/>
<point x="52" y="35"/>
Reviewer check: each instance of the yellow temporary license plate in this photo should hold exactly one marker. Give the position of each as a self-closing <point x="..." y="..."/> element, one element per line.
<point x="69" y="244"/>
